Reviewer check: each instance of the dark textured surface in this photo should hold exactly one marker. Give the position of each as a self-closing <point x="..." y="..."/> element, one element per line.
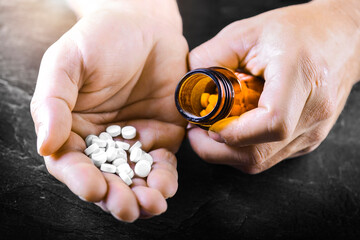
<point x="312" y="197"/>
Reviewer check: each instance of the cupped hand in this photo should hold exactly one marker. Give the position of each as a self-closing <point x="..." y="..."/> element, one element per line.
<point x="308" y="56"/>
<point x="112" y="67"/>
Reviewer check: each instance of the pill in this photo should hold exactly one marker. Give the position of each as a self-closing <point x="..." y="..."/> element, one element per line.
<point x="131" y="173"/>
<point x="203" y="113"/>
<point x="124" y="167"/>
<point x="142" y="168"/>
<point x="119" y="161"/>
<point x="204" y="99"/>
<point x="125" y="177"/>
<point x="136" y="154"/>
<point x="209" y="108"/>
<point x="110" y="143"/>
<point x="105" y="136"/>
<point x="106" y="167"/>
<point x="121" y="153"/>
<point x="92" y="148"/>
<point x="213" y="99"/>
<point x="113" y="130"/>
<point x="89" y="138"/>
<point x="135" y="145"/>
<point x="111" y="154"/>
<point x="122" y="145"/>
<point x="99" y="142"/>
<point x="147" y="157"/>
<point x="128" y="132"/>
<point x="98" y="158"/>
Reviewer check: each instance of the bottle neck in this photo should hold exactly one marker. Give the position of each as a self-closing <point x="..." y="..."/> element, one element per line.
<point x="197" y="82"/>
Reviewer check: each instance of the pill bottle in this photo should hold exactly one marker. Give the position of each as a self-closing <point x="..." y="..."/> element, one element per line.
<point x="207" y="95"/>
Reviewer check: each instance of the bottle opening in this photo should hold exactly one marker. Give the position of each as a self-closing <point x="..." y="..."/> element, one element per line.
<point x="198" y="95"/>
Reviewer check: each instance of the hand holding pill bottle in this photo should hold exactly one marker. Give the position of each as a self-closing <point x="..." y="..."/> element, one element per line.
<point x="112" y="70"/>
<point x="308" y="56"/>
<point x="205" y="96"/>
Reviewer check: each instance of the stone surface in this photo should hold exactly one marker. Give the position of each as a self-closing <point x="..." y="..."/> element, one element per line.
<point x="312" y="197"/>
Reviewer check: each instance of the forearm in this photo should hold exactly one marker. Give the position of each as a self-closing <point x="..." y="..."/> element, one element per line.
<point x="162" y="9"/>
<point x="344" y="17"/>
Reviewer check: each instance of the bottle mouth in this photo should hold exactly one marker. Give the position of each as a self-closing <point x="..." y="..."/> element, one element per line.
<point x="189" y="91"/>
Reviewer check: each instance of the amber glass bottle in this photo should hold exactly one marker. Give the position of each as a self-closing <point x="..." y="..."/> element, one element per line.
<point x="207" y="95"/>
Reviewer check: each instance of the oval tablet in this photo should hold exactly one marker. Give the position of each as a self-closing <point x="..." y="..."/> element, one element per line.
<point x="113" y="130"/>
<point x="142" y="168"/>
<point x="92" y="148"/>
<point x="105" y="136"/>
<point x="128" y="132"/>
<point x="106" y="167"/>
<point x="125" y="178"/>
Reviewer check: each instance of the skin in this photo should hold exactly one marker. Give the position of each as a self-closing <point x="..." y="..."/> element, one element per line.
<point x="309" y="57"/>
<point x="119" y="64"/>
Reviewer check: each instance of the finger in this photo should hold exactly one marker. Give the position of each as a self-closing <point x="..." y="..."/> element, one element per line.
<point x="70" y="166"/>
<point x="277" y="115"/>
<point x="163" y="175"/>
<point x="55" y="95"/>
<point x="120" y="200"/>
<point x="150" y="200"/>
<point x="250" y="159"/>
<point x="228" y="48"/>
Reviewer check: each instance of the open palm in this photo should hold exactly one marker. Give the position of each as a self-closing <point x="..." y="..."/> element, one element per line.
<point x="108" y="69"/>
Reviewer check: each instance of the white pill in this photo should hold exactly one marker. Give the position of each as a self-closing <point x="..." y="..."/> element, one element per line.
<point x="98" y="158"/>
<point x="105" y="136"/>
<point x="131" y="173"/>
<point x="121" y="153"/>
<point x="111" y="154"/>
<point x="119" y="161"/>
<point x="136" y="154"/>
<point x="110" y="143"/>
<point x="99" y="142"/>
<point x="88" y="139"/>
<point x="123" y="168"/>
<point x="128" y="132"/>
<point x="135" y="145"/>
<point x="142" y="168"/>
<point x="92" y="148"/>
<point x="125" y="178"/>
<point x="122" y="145"/>
<point x="147" y="157"/>
<point x="113" y="130"/>
<point x="106" y="167"/>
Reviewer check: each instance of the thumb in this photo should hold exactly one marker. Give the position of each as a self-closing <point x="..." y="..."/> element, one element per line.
<point x="55" y="95"/>
<point x="280" y="106"/>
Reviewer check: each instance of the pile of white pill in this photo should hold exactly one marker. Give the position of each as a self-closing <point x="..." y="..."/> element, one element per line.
<point x="112" y="155"/>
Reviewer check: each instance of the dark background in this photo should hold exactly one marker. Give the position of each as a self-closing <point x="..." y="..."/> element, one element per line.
<point x="312" y="197"/>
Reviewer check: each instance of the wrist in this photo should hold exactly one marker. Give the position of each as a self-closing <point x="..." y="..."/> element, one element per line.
<point x="165" y="10"/>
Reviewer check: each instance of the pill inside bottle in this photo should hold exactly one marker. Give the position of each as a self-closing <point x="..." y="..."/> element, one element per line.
<point x="207" y="95"/>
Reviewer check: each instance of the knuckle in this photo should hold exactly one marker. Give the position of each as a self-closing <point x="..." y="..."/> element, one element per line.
<point x="252" y="160"/>
<point x="317" y="136"/>
<point x="280" y="126"/>
<point x="327" y="110"/>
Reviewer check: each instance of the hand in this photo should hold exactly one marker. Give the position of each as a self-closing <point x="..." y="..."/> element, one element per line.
<point x="115" y="66"/>
<point x="309" y="57"/>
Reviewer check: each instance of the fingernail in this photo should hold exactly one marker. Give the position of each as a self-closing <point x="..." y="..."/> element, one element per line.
<point x="216" y="137"/>
<point x="83" y="199"/>
<point x="41" y="136"/>
<point x="190" y="126"/>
